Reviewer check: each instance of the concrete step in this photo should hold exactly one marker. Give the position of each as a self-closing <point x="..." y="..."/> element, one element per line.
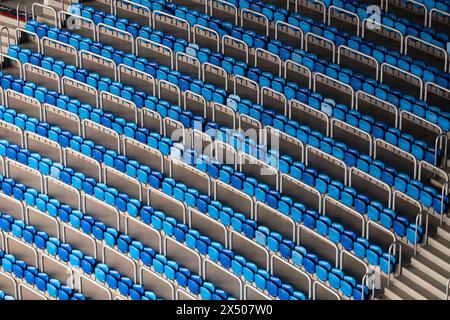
<point x="432" y="288"/>
<point x="429" y="267"/>
<point x="411" y="288"/>
<point x="394" y="293"/>
<point x="440" y="243"/>
<point x="436" y="256"/>
<point x="444" y="231"/>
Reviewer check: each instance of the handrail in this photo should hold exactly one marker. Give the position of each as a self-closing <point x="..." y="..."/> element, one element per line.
<point x="420" y="80"/>
<point x="20" y="31"/>
<point x="236" y="19"/>
<point x="44" y="7"/>
<point x="21" y="3"/>
<point x="447" y="287"/>
<point x="428" y="44"/>
<point x="140" y="40"/>
<point x="100" y="58"/>
<point x="119" y="32"/>
<point x="416" y="231"/>
<point x="443" y="192"/>
<point x="8" y="38"/>
<point x="288" y="25"/>
<point x="438" y="12"/>
<point x="418" y="4"/>
<point x="392" y="250"/>
<point x="441" y="137"/>
<point x="364" y="281"/>
<point x="4" y="56"/>
<point x="354" y="15"/>
<point x="257" y="14"/>
<point x="133" y="4"/>
<point x="75" y="16"/>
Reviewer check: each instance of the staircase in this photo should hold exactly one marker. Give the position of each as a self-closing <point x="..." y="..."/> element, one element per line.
<point x="426" y="276"/>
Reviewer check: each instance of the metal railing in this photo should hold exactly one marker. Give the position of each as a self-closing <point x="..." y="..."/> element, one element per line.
<point x="19" y="5"/>
<point x="8" y="39"/>
<point x="370" y="275"/>
<point x="447" y="287"/>
<point x="393" y="251"/>
<point x="418" y="221"/>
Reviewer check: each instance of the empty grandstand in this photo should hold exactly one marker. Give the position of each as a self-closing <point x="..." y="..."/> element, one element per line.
<point x="224" y="150"/>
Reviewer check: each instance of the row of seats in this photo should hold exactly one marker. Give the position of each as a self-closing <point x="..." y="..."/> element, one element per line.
<point x="76" y="181"/>
<point x="39" y="280"/>
<point x="346" y="194"/>
<point x="111" y="237"/>
<point x="291" y="90"/>
<point x="278" y="124"/>
<point x="406" y="142"/>
<point x="21" y="122"/>
<point x="283" y="206"/>
<point x="404" y="26"/>
<point x="379" y="130"/>
<point x="442" y="5"/>
<point x="122" y="166"/>
<point x="157" y="219"/>
<point x="74" y="258"/>
<point x="299" y="173"/>
<point x="252" y="39"/>
<point x="405" y="62"/>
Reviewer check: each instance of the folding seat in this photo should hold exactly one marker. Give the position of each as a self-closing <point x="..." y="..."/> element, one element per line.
<point x="414" y="189"/>
<point x="323" y="269"/>
<point x="250" y="270"/>
<point x="335" y="278"/>
<point x="285" y="204"/>
<point x="309" y="176"/>
<point x="335" y="188"/>
<point x="261" y="235"/>
<point x="347" y="286"/>
<point x="376" y="168"/>
<point x="297" y="169"/>
<point x="19" y="269"/>
<point x="322" y="183"/>
<point x="322" y="225"/>
<point x="348" y="196"/>
<point x="400" y="225"/>
<point x="361" y="203"/>
<point x="310" y="262"/>
<point x="401" y="182"/>
<point x="384" y="263"/>
<point x="273" y="241"/>
<point x="374" y="254"/>
<point x="309" y="218"/>
<point x="273" y="286"/>
<point x="41" y="281"/>
<point x="335" y="232"/>
<point x="297" y="211"/>
<point x="348" y="239"/>
<point x="411" y="233"/>
<point x="427" y="195"/>
<point x="339" y="150"/>
<point x="387" y="217"/>
<point x="389" y="176"/>
<point x="351" y="156"/>
<point x="440" y="204"/>
<point x="405" y="142"/>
